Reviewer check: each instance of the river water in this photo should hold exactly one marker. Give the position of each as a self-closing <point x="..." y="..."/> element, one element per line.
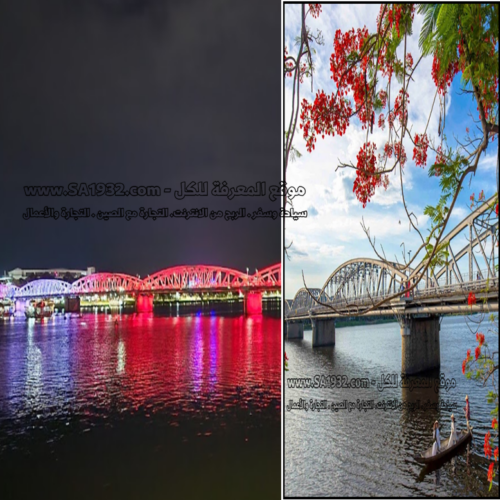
<point x="147" y="406"/>
<point x="369" y="453"/>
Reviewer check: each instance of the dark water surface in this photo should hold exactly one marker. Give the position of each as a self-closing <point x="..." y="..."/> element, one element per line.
<point x="152" y="407"/>
<point x="369" y="453"/>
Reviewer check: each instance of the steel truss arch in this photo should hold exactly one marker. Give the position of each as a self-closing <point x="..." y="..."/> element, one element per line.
<point x="482" y="225"/>
<point x="303" y="300"/>
<point x="362" y="277"/>
<point x="8" y="291"/>
<point x="106" y="282"/>
<point x="43" y="288"/>
<point x="268" y="277"/>
<point x="195" y="277"/>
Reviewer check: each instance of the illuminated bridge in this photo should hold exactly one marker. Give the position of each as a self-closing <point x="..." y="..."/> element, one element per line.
<point x="373" y="287"/>
<point x="198" y="279"/>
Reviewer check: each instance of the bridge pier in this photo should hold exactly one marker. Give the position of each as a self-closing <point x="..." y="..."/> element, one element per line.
<point x="253" y="303"/>
<point x="71" y="304"/>
<point x="420" y="345"/>
<point x="323" y="332"/>
<point x="20" y="305"/>
<point x="294" y="330"/>
<point x="144" y="303"/>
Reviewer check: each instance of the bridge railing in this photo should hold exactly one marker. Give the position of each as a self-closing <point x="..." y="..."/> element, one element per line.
<point x="368" y="299"/>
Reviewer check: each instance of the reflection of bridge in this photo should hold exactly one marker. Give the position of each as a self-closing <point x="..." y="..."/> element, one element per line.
<point x="180" y="279"/>
<point x="370" y="287"/>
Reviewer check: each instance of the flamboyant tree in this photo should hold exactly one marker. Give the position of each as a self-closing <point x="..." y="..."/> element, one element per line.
<point x="371" y="84"/>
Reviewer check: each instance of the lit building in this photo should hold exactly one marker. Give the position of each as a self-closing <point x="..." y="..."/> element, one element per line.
<point x="19" y="273"/>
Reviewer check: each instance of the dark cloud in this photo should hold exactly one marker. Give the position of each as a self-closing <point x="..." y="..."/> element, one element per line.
<point x="140" y="92"/>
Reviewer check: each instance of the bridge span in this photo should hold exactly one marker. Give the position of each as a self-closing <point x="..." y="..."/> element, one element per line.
<point x="197" y="279"/>
<point x="467" y="283"/>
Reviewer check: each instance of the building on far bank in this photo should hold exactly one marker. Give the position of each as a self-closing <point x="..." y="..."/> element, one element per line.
<point x="19" y="274"/>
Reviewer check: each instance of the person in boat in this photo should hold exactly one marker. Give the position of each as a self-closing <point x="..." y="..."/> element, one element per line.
<point x="467" y="411"/>
<point x="436" y="447"/>
<point x="453" y="434"/>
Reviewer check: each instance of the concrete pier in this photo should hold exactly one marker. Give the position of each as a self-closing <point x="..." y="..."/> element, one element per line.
<point x="253" y="303"/>
<point x="420" y="345"/>
<point x="294" y="330"/>
<point x="323" y="332"/>
<point x="144" y="303"/>
<point x="72" y="304"/>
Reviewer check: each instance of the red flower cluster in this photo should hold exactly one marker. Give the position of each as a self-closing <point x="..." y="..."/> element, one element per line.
<point x="440" y="160"/>
<point x="382" y="95"/>
<point x="327" y="115"/>
<point x="494" y="423"/>
<point x="443" y="82"/>
<point x="420" y="150"/>
<point x="477" y="352"/>
<point x="393" y="15"/>
<point x="490" y="472"/>
<point x="390" y="119"/>
<point x="401" y="108"/>
<point x="496" y="209"/>
<point x="487" y="447"/>
<point x="315" y="9"/>
<point x="481" y="195"/>
<point x="471" y="300"/>
<point x="409" y="61"/>
<point x="399" y="153"/>
<point x="381" y="121"/>
<point x="366" y="178"/>
<point x="464" y="364"/>
<point x="495" y="454"/>
<point x="480" y="338"/>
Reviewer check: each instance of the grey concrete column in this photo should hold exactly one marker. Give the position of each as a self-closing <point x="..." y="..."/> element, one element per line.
<point x="420" y="345"/>
<point x="323" y="332"/>
<point x="295" y="330"/>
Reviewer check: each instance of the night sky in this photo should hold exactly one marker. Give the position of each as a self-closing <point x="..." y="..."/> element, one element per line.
<point x="142" y="92"/>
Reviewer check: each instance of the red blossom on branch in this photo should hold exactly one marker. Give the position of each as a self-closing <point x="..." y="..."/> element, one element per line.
<point x="477" y="352"/>
<point x="367" y="178"/>
<point x="490" y="472"/>
<point x="409" y="61"/>
<point x="443" y="82"/>
<point x="480" y="338"/>
<point x="471" y="300"/>
<point x="420" y="150"/>
<point x="487" y="447"/>
<point x="399" y="153"/>
<point x="401" y="106"/>
<point x="315" y="9"/>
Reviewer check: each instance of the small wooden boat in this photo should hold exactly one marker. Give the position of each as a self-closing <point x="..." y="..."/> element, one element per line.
<point x="427" y="457"/>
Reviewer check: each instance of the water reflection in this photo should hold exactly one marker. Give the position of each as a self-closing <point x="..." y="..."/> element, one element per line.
<point x="92" y="363"/>
<point x="322" y="449"/>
